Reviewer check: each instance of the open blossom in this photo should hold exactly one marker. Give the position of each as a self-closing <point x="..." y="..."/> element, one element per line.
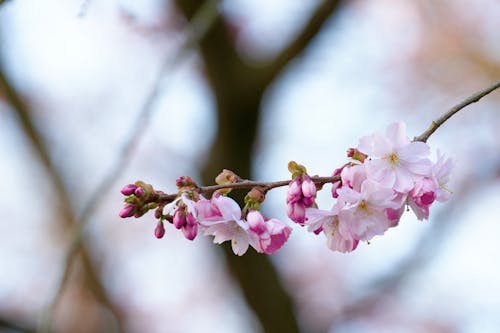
<point x="363" y="213"/>
<point x="267" y="236"/>
<point x="394" y="161"/>
<point x="386" y="175"/>
<point x="224" y="221"/>
<point x="441" y="172"/>
<point x="328" y="222"/>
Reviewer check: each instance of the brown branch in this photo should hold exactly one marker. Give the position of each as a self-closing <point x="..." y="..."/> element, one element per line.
<point x="441" y="120"/>
<point x="246" y="184"/>
<point x="321" y="15"/>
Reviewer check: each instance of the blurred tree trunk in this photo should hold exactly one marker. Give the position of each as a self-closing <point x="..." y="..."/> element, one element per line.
<point x="238" y="90"/>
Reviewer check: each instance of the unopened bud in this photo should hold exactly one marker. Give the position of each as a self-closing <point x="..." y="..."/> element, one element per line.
<point x="128" y="189"/>
<point x="139" y="192"/>
<point x="159" y="230"/>
<point x="255" y="195"/>
<point x="190" y="231"/>
<point x="185" y="181"/>
<point x="296" y="169"/>
<point x="227" y="177"/>
<point x="356" y="155"/>
<point x="308" y="187"/>
<point x="127" y="210"/>
<point x="179" y="218"/>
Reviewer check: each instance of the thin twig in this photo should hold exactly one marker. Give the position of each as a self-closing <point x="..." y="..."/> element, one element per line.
<point x="250" y="184"/>
<point x="441" y="120"/>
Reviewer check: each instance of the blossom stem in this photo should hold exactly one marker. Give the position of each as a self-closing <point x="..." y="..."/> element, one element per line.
<point x="244" y="184"/>
<point x="441" y="120"/>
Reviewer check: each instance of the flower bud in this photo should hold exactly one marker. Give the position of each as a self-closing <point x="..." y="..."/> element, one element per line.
<point x="128" y="189"/>
<point x="179" y="218"/>
<point x="159" y="230"/>
<point x="227" y="177"/>
<point x="294" y="192"/>
<point x="255" y="195"/>
<point x="139" y="192"/>
<point x="308" y="187"/>
<point x="356" y="155"/>
<point x="127" y="210"/>
<point x="296" y="212"/>
<point x="185" y="181"/>
<point x="190" y="231"/>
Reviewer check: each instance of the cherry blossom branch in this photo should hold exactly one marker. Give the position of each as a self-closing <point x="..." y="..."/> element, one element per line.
<point x="266" y="186"/>
<point x="441" y="120"/>
<point x="246" y="184"/>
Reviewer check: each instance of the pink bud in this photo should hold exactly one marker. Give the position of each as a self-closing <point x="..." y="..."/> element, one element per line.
<point x="256" y="222"/>
<point x="179" y="218"/>
<point x="296" y="212"/>
<point x="127" y="210"/>
<point x="307" y="201"/>
<point x="190" y="231"/>
<point x="128" y="189"/>
<point x="139" y="192"/>
<point x="190" y="219"/>
<point x="294" y="192"/>
<point x="159" y="230"/>
<point x="308" y="187"/>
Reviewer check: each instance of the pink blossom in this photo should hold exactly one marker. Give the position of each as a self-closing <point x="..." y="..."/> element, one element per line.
<point x="441" y="172"/>
<point x="363" y="213"/>
<point x="328" y="223"/>
<point x="266" y="236"/>
<point x="224" y="222"/>
<point x="279" y="232"/>
<point x="394" y="160"/>
<point x="422" y="196"/>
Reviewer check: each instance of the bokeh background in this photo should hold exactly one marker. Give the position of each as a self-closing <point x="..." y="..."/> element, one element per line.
<point x="95" y="94"/>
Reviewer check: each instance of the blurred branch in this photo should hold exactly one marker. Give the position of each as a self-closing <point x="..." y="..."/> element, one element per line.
<point x="3" y="1"/>
<point x="201" y="24"/>
<point x="321" y="15"/>
<point x="441" y="120"/>
<point x="10" y="326"/>
<point x="62" y="197"/>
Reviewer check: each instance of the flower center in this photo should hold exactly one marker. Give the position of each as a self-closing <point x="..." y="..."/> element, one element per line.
<point x="363" y="206"/>
<point x="393" y="158"/>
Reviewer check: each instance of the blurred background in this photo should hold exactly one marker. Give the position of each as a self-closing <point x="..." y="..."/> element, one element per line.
<point x="97" y="94"/>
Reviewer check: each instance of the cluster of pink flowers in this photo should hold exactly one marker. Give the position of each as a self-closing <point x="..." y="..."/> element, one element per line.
<point x="222" y="218"/>
<point x="387" y="172"/>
